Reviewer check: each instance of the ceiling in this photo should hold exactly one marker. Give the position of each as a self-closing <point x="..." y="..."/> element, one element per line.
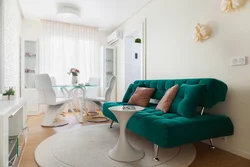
<point x="103" y="14"/>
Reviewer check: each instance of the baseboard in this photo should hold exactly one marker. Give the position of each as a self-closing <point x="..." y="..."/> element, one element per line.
<point x="240" y="153"/>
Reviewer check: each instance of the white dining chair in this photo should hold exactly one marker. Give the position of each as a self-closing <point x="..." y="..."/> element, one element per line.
<point x="98" y="101"/>
<point x="93" y="87"/>
<point x="60" y="92"/>
<point x="54" y="105"/>
<point x="94" y="81"/>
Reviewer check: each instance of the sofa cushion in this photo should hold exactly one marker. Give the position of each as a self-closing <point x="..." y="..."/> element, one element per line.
<point x="187" y="99"/>
<point x="171" y="130"/>
<point x="130" y="91"/>
<point x="141" y="97"/>
<point x="166" y="101"/>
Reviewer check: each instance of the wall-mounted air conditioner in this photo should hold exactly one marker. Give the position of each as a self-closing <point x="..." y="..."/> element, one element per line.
<point x="115" y="37"/>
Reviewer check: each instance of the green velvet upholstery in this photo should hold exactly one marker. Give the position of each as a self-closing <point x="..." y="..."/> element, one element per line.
<point x="215" y="92"/>
<point x="187" y="99"/>
<point x="171" y="129"/>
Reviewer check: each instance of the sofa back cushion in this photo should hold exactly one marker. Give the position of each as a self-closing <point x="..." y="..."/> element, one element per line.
<point x="187" y="99"/>
<point x="215" y="90"/>
<point x="130" y="91"/>
<point x="167" y="100"/>
<point x="142" y="96"/>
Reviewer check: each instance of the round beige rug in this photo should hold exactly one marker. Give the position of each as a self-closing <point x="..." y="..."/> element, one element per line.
<point x="89" y="146"/>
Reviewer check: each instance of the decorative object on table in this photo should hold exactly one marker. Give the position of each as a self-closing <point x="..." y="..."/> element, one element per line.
<point x="74" y="73"/>
<point x="201" y="32"/>
<point x="10" y="92"/>
<point x="231" y="5"/>
<point x="137" y="40"/>
<point x="128" y="107"/>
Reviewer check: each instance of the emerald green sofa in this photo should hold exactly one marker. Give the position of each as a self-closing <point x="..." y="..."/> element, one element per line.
<point x="171" y="129"/>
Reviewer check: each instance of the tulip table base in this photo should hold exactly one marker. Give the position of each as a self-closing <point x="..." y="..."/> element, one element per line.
<point x="123" y="151"/>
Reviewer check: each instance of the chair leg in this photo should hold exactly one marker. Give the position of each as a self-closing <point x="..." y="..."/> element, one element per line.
<point x="156" y="152"/>
<point x="211" y="143"/>
<point x="111" y="124"/>
<point x="49" y="119"/>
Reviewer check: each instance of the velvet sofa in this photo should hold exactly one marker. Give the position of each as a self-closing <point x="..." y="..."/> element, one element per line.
<point x="171" y="129"/>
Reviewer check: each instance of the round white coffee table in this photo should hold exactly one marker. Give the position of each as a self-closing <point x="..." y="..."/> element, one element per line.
<point x="123" y="151"/>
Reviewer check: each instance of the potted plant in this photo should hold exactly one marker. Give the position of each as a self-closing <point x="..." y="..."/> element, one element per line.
<point x="74" y="73"/>
<point x="9" y="94"/>
<point x="137" y="40"/>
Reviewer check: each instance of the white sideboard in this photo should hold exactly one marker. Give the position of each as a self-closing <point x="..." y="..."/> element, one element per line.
<point x="12" y="126"/>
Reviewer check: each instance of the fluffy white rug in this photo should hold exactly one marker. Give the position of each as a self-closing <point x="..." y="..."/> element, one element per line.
<point x="89" y="147"/>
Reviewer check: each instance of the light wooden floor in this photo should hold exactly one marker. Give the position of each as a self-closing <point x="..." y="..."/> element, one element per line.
<point x="206" y="157"/>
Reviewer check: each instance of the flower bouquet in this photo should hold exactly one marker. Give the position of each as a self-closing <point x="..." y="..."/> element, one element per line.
<point x="74" y="72"/>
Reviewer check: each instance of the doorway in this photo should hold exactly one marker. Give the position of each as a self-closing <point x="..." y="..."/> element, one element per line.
<point x="134" y="56"/>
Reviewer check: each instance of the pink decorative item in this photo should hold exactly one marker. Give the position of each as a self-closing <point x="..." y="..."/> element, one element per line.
<point x="142" y="96"/>
<point x="167" y="100"/>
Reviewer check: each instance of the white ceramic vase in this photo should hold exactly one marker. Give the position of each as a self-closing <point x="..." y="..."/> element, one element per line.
<point x="74" y="80"/>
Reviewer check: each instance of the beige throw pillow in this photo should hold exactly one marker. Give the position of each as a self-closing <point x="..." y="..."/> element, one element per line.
<point x="166" y="101"/>
<point x="142" y="96"/>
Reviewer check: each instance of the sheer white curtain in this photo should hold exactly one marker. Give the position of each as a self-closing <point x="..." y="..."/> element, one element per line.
<point x="64" y="46"/>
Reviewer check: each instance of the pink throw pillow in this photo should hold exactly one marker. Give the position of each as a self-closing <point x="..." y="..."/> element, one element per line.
<point x="142" y="96"/>
<point x="166" y="101"/>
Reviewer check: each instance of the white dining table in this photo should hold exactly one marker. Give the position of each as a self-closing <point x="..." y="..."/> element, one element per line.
<point x="67" y="91"/>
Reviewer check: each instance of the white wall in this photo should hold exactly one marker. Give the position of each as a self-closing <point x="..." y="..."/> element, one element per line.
<point x="11" y="44"/>
<point x="172" y="53"/>
<point x="31" y="30"/>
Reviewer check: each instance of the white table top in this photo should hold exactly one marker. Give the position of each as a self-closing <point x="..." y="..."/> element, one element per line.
<point x="124" y="109"/>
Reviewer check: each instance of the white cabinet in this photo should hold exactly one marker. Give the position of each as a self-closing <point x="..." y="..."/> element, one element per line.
<point x="30" y="63"/>
<point x="30" y="66"/>
<point x="13" y="132"/>
<point x="108" y="69"/>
